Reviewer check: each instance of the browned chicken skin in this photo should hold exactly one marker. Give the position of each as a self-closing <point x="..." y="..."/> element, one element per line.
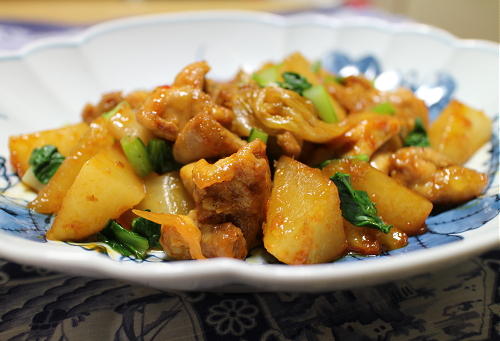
<point x="136" y="98"/>
<point x="234" y="189"/>
<point x="289" y="144"/>
<point x="181" y="237"/>
<point x="167" y="110"/>
<point x="192" y="75"/>
<point x="110" y="100"/>
<point x="433" y="176"/>
<point x="203" y="138"/>
<point x="368" y="132"/>
<point x="381" y="159"/>
<point x="368" y="135"/>
<point x="238" y="95"/>
<point x="357" y="94"/>
<point x="174" y="245"/>
<point x="408" y="107"/>
<point x="223" y="240"/>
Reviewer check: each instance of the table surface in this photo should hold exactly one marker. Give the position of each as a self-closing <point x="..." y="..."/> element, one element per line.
<point x="459" y="303"/>
<point x="88" y="11"/>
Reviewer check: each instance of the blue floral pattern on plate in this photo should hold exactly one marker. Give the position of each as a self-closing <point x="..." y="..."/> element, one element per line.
<point x="443" y="228"/>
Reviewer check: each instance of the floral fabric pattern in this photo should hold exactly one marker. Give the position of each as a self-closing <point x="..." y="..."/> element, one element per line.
<point x="232" y="317"/>
<point x="458" y="303"/>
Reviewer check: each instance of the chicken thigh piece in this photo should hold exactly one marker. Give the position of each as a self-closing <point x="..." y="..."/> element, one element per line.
<point x="433" y="176"/>
<point x="167" y="110"/>
<point x="203" y="138"/>
<point x="234" y="189"/>
<point x="192" y="75"/>
<point x="223" y="240"/>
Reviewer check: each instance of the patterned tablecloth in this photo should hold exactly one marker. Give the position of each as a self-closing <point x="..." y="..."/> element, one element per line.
<point x="458" y="303"/>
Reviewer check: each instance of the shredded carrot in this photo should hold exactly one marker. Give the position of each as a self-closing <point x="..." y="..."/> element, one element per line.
<point x="184" y="225"/>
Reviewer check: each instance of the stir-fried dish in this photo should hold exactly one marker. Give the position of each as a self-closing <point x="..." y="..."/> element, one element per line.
<point x="308" y="164"/>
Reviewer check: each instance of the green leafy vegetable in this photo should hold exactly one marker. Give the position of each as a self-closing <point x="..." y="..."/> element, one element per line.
<point x="266" y="76"/>
<point x="316" y="66"/>
<point x="295" y="82"/>
<point x="356" y="206"/>
<point x="318" y="95"/>
<point x="148" y="229"/>
<point x="340" y="80"/>
<point x="115" y="245"/>
<point x="418" y="136"/>
<point x="131" y="239"/>
<point x="161" y="157"/>
<point x="124" y="241"/>
<point x="337" y="79"/>
<point x="45" y="161"/>
<point x="324" y="164"/>
<point x="137" y="155"/>
<point x="256" y="133"/>
<point x="385" y="108"/>
<point x="361" y="157"/>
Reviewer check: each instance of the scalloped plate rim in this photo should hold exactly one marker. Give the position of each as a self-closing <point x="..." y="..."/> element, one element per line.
<point x="369" y="271"/>
<point x="89" y="33"/>
<point x="265" y="276"/>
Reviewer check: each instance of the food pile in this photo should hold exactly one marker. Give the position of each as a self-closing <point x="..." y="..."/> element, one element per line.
<point x="308" y="164"/>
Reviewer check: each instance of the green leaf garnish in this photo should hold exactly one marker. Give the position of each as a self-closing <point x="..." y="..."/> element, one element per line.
<point x="124" y="241"/>
<point x="337" y="79"/>
<point x="418" y="136"/>
<point x="45" y="162"/>
<point x="385" y="108"/>
<point x="256" y="133"/>
<point x="356" y="205"/>
<point x="148" y="229"/>
<point x="161" y="157"/>
<point x="324" y="164"/>
<point x="340" y="80"/>
<point x="115" y="245"/>
<point x="295" y="82"/>
<point x="317" y="94"/>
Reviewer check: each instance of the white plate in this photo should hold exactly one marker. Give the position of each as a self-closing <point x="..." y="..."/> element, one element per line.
<point x="46" y="84"/>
